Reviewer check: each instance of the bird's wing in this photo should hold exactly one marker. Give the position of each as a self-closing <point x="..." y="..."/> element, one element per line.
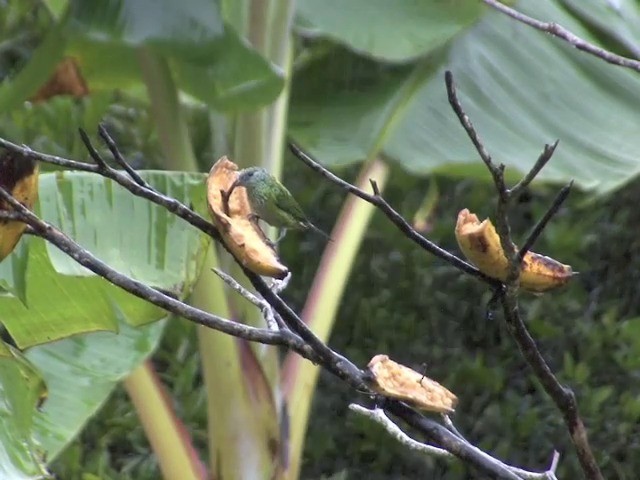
<point x="285" y="201"/>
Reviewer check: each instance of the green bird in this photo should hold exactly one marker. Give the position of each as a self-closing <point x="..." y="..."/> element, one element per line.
<point x="272" y="202"/>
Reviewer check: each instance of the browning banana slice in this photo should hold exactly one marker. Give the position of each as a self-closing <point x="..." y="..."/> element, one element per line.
<point x="239" y="232"/>
<point x="19" y="176"/>
<point x="395" y="380"/>
<point x="480" y="243"/>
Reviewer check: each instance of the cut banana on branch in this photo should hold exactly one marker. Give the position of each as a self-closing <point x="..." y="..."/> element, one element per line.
<point x="232" y="217"/>
<point x="19" y="176"/>
<point x="480" y="243"/>
<point x="397" y="381"/>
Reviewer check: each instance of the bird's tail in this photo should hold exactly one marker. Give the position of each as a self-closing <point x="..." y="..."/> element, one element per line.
<point x="311" y="226"/>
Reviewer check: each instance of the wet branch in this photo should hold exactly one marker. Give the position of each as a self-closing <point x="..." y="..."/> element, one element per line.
<point x="562" y="396"/>
<point x="566" y="35"/>
<point x="378" y="415"/>
<point x="398" y="220"/>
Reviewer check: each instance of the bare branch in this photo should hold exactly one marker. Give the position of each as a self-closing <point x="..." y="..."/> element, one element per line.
<point x="543" y="159"/>
<point x="497" y="171"/>
<point x="447" y="440"/>
<point x="569" y="37"/>
<point x="542" y="223"/>
<point x="562" y="396"/>
<point x="397" y="219"/>
<point x="171" y="204"/>
<point x="265" y="308"/>
<point x="117" y="156"/>
<point x="93" y="153"/>
<point x="378" y="415"/>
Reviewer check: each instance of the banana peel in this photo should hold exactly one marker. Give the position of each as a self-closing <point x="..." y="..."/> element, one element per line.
<point x="19" y="176"/>
<point x="397" y="381"/>
<point x="480" y="243"/>
<point x="239" y="231"/>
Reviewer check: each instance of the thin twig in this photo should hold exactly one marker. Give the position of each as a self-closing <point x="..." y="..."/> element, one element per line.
<point x="449" y="424"/>
<point x="278" y="286"/>
<point x="397" y="219"/>
<point x="566" y="35"/>
<point x="562" y="396"/>
<point x="93" y="153"/>
<point x="543" y="159"/>
<point x="497" y="171"/>
<point x="378" y="415"/>
<point x="265" y="308"/>
<point x="447" y="440"/>
<point x="542" y="223"/>
<point x="117" y="156"/>
<point x="549" y="474"/>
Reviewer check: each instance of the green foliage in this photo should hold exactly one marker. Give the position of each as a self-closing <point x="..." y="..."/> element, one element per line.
<point x="21" y="386"/>
<point x="151" y="245"/>
<point x="404" y="303"/>
<point x="516" y="105"/>
<point x="408" y="30"/>
<point x="114" y="446"/>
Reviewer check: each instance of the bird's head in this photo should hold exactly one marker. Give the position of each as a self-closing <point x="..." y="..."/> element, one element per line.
<point x="250" y="176"/>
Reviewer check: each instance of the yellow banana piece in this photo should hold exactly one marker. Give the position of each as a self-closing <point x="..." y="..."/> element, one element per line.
<point x="19" y="176"/>
<point x="245" y="240"/>
<point x="480" y="243"/>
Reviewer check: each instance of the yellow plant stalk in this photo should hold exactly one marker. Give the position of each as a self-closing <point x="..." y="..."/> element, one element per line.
<point x="480" y="243"/>
<point x="232" y="217"/>
<point x="19" y="176"/>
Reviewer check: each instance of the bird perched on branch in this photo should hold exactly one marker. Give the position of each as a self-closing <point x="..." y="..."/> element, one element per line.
<point x="271" y="201"/>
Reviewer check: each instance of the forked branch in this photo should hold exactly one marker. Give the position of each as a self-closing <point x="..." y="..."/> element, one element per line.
<point x="562" y="396"/>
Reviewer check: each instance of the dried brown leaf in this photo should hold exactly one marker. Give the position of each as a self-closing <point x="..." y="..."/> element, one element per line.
<point x="66" y="80"/>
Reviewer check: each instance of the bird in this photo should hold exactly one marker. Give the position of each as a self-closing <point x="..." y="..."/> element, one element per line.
<point x="272" y="202"/>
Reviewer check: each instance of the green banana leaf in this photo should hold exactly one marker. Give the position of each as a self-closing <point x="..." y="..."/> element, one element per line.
<point x="520" y="87"/>
<point x="396" y="31"/>
<point x="21" y="389"/>
<point x="132" y="235"/>
<point x="47" y="395"/>
<point x="207" y="57"/>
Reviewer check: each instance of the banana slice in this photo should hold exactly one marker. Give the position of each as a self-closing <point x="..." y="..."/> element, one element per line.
<point x="243" y="237"/>
<point x="480" y="243"/>
<point x="395" y="380"/>
<point x="19" y="176"/>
